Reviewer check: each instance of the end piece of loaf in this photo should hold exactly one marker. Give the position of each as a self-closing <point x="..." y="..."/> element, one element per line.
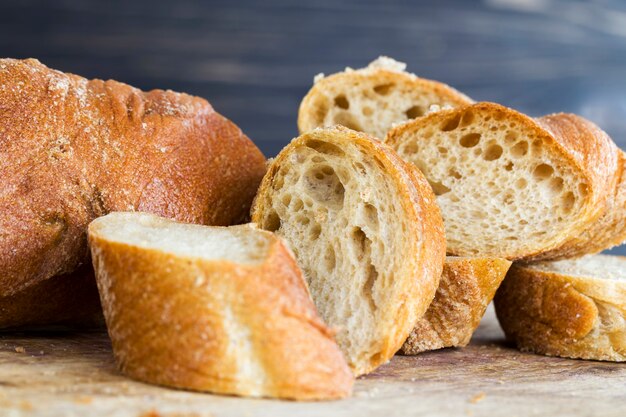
<point x="508" y="185"/>
<point x="366" y="231"/>
<point x="216" y="309"/>
<point x="467" y="287"/>
<point x="373" y="99"/>
<point x="571" y="308"/>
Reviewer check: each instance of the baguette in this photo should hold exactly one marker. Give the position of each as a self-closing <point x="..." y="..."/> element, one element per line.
<point x="572" y="308"/>
<point x="216" y="309"/>
<point x="467" y="287"/>
<point x="510" y="186"/>
<point x="373" y="99"/>
<point x="366" y="231"/>
<point x="73" y="149"/>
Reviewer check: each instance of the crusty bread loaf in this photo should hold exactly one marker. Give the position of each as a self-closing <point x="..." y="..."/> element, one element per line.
<point x="72" y="149"/>
<point x="508" y="185"/>
<point x="366" y="231"/>
<point x="571" y="308"/>
<point x="467" y="287"/>
<point x="67" y="300"/>
<point x="374" y="98"/>
<point x="214" y="309"/>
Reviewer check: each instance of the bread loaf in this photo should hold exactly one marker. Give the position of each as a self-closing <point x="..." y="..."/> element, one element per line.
<point x="467" y="287"/>
<point x="571" y="308"/>
<point x="73" y="149"/>
<point x="366" y="231"/>
<point x="373" y="99"/>
<point x="508" y="185"/>
<point x="216" y="309"/>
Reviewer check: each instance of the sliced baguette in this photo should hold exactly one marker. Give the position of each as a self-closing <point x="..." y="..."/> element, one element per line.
<point x="216" y="309"/>
<point x="572" y="308"/>
<point x="366" y="231"/>
<point x="467" y="287"/>
<point x="508" y="185"/>
<point x="372" y="99"/>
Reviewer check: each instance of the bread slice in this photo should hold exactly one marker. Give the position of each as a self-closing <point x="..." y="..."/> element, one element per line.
<point x="372" y="99"/>
<point x="366" y="232"/>
<point x="216" y="309"/>
<point x="572" y="308"/>
<point x="508" y="185"/>
<point x="467" y="287"/>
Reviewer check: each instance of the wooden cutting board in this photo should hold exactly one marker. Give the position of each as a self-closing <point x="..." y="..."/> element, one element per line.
<point x="73" y="374"/>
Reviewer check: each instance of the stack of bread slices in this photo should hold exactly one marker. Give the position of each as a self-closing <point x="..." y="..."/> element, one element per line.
<point x="387" y="226"/>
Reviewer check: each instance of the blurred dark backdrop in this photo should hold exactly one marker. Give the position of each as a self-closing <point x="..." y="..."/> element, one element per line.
<point x="255" y="60"/>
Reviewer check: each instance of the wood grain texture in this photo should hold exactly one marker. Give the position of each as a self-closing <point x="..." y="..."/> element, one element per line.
<point x="73" y="374"/>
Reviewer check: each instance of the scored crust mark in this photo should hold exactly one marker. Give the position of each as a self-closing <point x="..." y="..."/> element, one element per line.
<point x="520" y="187"/>
<point x="351" y="234"/>
<point x="373" y="99"/>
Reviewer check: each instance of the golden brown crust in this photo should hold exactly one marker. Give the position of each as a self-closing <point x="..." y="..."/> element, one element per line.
<point x="308" y="113"/>
<point x="467" y="287"/>
<point x="74" y="149"/>
<point x="560" y="315"/>
<point x="419" y="203"/>
<point x="586" y="147"/>
<point x="218" y="326"/>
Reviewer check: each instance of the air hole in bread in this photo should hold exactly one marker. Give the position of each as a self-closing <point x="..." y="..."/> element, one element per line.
<point x="520" y="149"/>
<point x="286" y="200"/>
<point x="315" y="231"/>
<point x="521" y="183"/>
<point x="348" y="120"/>
<point x="368" y="285"/>
<point x="454" y="173"/>
<point x="543" y="172"/>
<point x="583" y="189"/>
<point x="509" y="166"/>
<point x="510" y="137"/>
<point x="383" y="89"/>
<point x="442" y="150"/>
<point x="410" y="147"/>
<point x="342" y="102"/>
<point x="324" y="186"/>
<point x="451" y="123"/>
<point x="414" y="111"/>
<point x="317" y="159"/>
<point x="325" y="147"/>
<point x="467" y="118"/>
<point x="367" y="111"/>
<point x="567" y="202"/>
<point x="556" y="185"/>
<point x="303" y="220"/>
<point x="537" y="148"/>
<point x="329" y="258"/>
<point x="272" y="221"/>
<point x="371" y="215"/>
<point x="297" y="204"/>
<point x="493" y="152"/>
<point x="439" y="188"/>
<point x="470" y="140"/>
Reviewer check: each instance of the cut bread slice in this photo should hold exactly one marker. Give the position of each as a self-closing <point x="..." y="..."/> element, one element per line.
<point x="372" y="99"/>
<point x="366" y="231"/>
<point x="508" y="185"/>
<point x="467" y="287"/>
<point x="572" y="308"/>
<point x="219" y="309"/>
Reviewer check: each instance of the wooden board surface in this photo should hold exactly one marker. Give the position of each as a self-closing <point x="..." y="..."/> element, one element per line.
<point x="73" y="374"/>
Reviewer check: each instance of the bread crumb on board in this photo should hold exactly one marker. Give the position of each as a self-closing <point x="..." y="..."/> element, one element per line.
<point x="20" y="349"/>
<point x="478" y="397"/>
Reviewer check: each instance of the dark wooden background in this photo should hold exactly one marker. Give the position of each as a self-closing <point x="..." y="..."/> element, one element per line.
<point x="255" y="60"/>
